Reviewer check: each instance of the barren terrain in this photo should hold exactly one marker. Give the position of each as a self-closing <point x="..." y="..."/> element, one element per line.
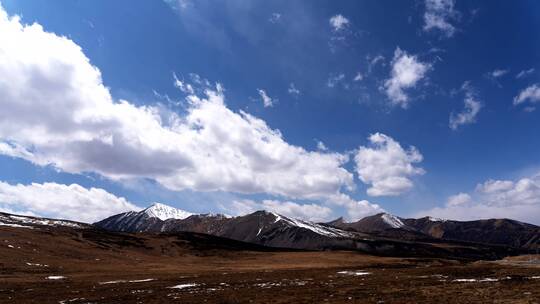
<point x="66" y="265"/>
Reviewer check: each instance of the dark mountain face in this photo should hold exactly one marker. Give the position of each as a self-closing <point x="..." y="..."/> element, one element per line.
<point x="493" y="231"/>
<point x="503" y="232"/>
<point x="369" y="224"/>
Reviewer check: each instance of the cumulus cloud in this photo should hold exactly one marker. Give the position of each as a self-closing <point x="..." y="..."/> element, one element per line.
<point x="438" y="15"/>
<point x="267" y="101"/>
<point x="495" y="199"/>
<point x="56" y="111"/>
<point x="458" y="199"/>
<point x="386" y="166"/>
<point x="72" y="202"/>
<point x="406" y="72"/>
<point x="470" y="111"/>
<point x="310" y="212"/>
<point x="338" y="22"/>
<point x="530" y="94"/>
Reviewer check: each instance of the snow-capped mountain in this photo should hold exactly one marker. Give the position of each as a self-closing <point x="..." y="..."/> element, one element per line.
<point x="491" y="231"/>
<point x="275" y="230"/>
<point x="377" y="222"/>
<point x="164" y="212"/>
<point x="145" y="220"/>
<point x="392" y="220"/>
<point x="261" y="227"/>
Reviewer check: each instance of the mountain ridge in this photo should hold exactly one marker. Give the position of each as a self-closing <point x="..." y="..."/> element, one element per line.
<point x="275" y="230"/>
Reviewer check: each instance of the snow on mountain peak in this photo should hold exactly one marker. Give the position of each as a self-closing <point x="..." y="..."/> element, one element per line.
<point x="392" y="220"/>
<point x="164" y="212"/>
<point x="435" y="219"/>
<point x="319" y="229"/>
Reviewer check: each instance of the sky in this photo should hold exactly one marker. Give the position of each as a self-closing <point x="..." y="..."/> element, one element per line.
<point x="314" y="110"/>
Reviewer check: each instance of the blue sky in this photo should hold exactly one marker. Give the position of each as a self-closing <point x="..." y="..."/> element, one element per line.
<point x="411" y="107"/>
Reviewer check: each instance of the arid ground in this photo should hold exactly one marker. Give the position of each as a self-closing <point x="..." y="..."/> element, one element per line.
<point x="64" y="265"/>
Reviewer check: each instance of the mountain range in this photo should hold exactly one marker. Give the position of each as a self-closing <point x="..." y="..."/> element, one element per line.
<point x="382" y="234"/>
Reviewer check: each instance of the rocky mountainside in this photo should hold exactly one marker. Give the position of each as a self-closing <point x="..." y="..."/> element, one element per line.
<point x="503" y="232"/>
<point x="383" y="233"/>
<point x="261" y="227"/>
<point x="31" y="222"/>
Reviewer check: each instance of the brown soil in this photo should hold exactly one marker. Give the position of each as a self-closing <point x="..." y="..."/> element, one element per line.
<point x="97" y="267"/>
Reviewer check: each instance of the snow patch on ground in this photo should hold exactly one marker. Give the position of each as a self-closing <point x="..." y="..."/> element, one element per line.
<point x="126" y="281"/>
<point x="354" y="273"/>
<point x="183" y="286"/>
<point x="484" y="280"/>
<point x="36" y="264"/>
<point x="15" y="225"/>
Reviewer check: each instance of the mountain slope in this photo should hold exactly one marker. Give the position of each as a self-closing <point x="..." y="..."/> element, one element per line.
<point x="503" y="232"/>
<point x="491" y="231"/>
<point x="31" y="222"/>
<point x="381" y="234"/>
<point x="261" y="227"/>
<point x="377" y="222"/>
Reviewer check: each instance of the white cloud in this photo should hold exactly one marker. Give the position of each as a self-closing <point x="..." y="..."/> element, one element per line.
<point x="72" y="202"/>
<point x="358" y="77"/>
<point x="338" y="22"/>
<point x="495" y="75"/>
<point x="498" y="73"/>
<point x="469" y="113"/>
<point x="293" y="90"/>
<point x="530" y="94"/>
<point x="458" y="199"/>
<point x="518" y="200"/>
<point x="183" y="86"/>
<point x="373" y="61"/>
<point x="386" y="166"/>
<point x="267" y="101"/>
<point x="525" y="73"/>
<point x="525" y="191"/>
<point x="275" y="18"/>
<point x="56" y="111"/>
<point x="333" y="80"/>
<point x="179" y="4"/>
<point x="321" y="146"/>
<point x="438" y="15"/>
<point x="310" y="212"/>
<point x="406" y="72"/>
